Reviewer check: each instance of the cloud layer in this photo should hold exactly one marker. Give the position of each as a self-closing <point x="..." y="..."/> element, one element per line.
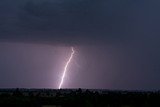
<point x="68" y="22"/>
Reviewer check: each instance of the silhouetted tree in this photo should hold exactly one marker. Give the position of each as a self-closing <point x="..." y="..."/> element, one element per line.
<point x="17" y="93"/>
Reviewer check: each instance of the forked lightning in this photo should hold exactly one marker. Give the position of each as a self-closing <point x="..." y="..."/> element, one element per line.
<point x="66" y="66"/>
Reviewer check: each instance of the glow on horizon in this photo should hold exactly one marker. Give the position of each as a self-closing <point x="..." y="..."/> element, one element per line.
<point x="65" y="68"/>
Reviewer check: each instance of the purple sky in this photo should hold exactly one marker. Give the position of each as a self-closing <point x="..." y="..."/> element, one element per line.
<point x="116" y="42"/>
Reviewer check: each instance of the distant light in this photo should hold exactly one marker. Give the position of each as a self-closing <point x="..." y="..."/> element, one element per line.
<point x="65" y="68"/>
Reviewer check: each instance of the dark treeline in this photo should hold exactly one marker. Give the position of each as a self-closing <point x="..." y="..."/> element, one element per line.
<point x="77" y="98"/>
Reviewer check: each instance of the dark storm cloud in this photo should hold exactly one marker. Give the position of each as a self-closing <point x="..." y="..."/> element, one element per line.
<point x="117" y="40"/>
<point x="70" y="22"/>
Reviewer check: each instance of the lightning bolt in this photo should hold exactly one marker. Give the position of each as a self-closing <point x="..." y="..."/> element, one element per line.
<point x="66" y="66"/>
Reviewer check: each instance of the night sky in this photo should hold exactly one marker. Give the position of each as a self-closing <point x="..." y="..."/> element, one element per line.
<point x="116" y="42"/>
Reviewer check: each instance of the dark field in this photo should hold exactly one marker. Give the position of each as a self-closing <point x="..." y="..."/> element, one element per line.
<point x="77" y="98"/>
